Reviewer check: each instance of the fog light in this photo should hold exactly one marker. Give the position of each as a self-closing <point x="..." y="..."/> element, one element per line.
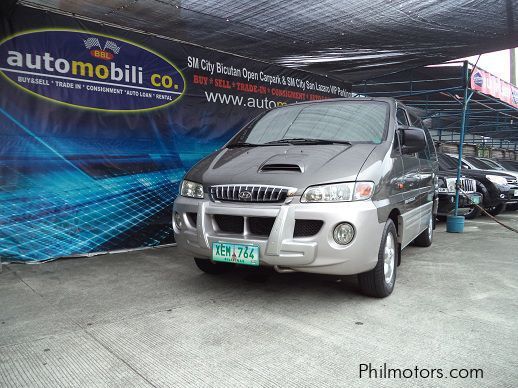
<point x="343" y="233"/>
<point x="178" y="220"/>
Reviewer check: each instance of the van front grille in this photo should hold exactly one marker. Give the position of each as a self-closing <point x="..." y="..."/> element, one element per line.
<point x="307" y="228"/>
<point x="261" y="226"/>
<point x="193" y="219"/>
<point x="229" y="224"/>
<point x="250" y="193"/>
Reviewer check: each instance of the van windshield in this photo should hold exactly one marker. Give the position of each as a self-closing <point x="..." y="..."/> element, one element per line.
<point x="337" y="121"/>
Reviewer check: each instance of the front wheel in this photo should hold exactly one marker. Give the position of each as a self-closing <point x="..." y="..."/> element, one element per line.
<point x="213" y="268"/>
<point x="496" y="210"/>
<point x="473" y="213"/>
<point x="426" y="237"/>
<point x="379" y="282"/>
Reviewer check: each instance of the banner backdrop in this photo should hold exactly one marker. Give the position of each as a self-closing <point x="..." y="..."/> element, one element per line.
<point x="98" y="126"/>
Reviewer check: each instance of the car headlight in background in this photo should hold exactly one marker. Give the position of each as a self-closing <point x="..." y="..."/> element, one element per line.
<point x="447" y="185"/>
<point x="191" y="189"/>
<point x="451" y="184"/>
<point x="499" y="180"/>
<point x="339" y="192"/>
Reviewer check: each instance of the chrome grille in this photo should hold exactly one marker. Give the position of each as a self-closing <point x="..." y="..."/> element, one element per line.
<point x="250" y="193"/>
<point x="468" y="185"/>
<point x="510" y="180"/>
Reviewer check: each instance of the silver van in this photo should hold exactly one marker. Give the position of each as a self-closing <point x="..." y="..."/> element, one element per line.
<point x="331" y="187"/>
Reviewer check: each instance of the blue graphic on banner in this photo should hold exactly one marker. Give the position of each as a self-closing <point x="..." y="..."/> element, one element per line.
<point x="71" y="205"/>
<point x="90" y="70"/>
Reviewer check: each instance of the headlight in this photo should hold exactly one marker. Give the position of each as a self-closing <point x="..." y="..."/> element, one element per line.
<point x="450" y="184"/>
<point x="499" y="180"/>
<point x="339" y="192"/>
<point x="191" y="189"/>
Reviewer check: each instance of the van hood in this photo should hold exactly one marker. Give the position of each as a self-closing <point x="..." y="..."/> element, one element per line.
<point x="296" y="166"/>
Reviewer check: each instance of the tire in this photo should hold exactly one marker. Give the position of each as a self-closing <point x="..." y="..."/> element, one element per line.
<point x="213" y="268"/>
<point x="496" y="210"/>
<point x="442" y="218"/>
<point x="426" y="237"/>
<point x="473" y="213"/>
<point x="378" y="283"/>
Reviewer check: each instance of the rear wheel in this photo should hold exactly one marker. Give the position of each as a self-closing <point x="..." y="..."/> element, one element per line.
<point x="496" y="210"/>
<point x="379" y="282"/>
<point x="213" y="268"/>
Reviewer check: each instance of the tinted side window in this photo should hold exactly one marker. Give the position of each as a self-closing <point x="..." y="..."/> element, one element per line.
<point x="397" y="142"/>
<point x="401" y="117"/>
<point x="429" y="151"/>
<point x="424" y="154"/>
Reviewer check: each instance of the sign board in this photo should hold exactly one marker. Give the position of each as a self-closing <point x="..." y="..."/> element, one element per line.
<point x="485" y="82"/>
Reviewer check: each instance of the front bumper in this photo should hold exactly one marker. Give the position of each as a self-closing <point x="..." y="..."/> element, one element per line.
<point x="512" y="195"/>
<point x="447" y="202"/>
<point x="318" y="253"/>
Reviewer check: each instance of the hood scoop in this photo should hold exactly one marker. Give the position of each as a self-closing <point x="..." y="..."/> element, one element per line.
<point x="283" y="167"/>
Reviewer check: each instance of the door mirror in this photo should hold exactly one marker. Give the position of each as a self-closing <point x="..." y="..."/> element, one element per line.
<point x="412" y="139"/>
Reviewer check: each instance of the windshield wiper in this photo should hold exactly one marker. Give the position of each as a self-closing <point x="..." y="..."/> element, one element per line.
<point x="302" y="140"/>
<point x="243" y="144"/>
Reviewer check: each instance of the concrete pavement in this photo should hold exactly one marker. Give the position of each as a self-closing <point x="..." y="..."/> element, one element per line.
<point x="151" y="319"/>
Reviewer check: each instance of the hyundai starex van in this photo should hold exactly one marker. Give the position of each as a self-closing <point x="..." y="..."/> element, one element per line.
<point x="335" y="187"/>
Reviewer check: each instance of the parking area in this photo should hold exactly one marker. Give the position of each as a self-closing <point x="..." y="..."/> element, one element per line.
<point x="150" y="318"/>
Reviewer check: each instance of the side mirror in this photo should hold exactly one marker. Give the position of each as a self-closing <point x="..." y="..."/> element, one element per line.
<point x="412" y="139"/>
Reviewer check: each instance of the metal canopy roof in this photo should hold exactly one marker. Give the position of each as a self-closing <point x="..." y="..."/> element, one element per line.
<point x="438" y="93"/>
<point x="351" y="40"/>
